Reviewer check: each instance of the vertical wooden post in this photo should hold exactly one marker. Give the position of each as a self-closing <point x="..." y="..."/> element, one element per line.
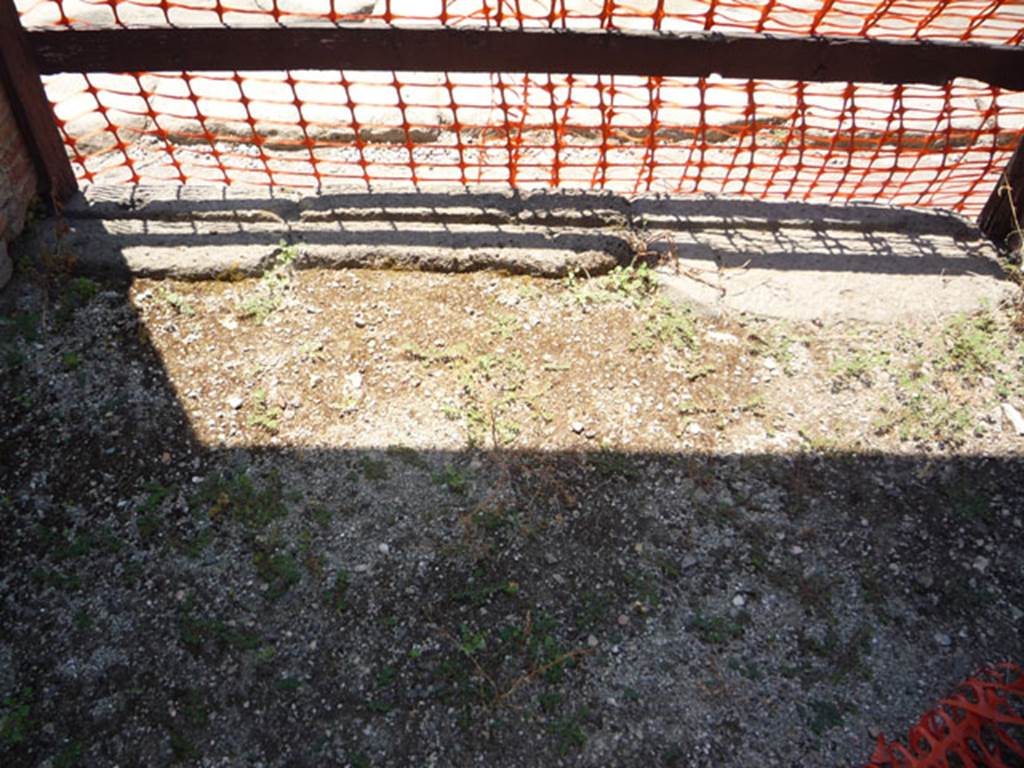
<point x="19" y="76"/>
<point x="1003" y="214"/>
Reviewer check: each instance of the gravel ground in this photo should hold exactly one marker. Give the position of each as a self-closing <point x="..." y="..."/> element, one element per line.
<point x="369" y="518"/>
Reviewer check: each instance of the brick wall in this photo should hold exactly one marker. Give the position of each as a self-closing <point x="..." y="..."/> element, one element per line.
<point x="17" y="175"/>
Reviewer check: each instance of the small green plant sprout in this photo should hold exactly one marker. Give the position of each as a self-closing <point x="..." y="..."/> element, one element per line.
<point x="148" y="520"/>
<point x="504" y="326"/>
<point x="717" y="630"/>
<point x="975" y="344"/>
<point x="78" y="292"/>
<point x="859" y="367"/>
<point x="273" y="288"/>
<point x="278" y="569"/>
<point x="823" y="716"/>
<point x="182" y="747"/>
<point x="921" y="414"/>
<point x="14" y="717"/>
<point x="239" y="498"/>
<point x="451" y="478"/>
<point x="337" y="596"/>
<point x="471" y="642"/>
<point x="633" y="284"/>
<point x="69" y="756"/>
<point x="176" y="301"/>
<point x="667" y="324"/>
<point x="569" y="733"/>
<point x="263" y="414"/>
<point x="374" y="470"/>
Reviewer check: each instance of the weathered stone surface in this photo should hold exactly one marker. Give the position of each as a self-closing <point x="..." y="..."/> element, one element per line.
<point x="797" y="260"/>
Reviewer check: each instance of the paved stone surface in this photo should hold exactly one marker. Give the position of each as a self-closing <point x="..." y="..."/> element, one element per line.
<point x="815" y="263"/>
<point x="793" y="260"/>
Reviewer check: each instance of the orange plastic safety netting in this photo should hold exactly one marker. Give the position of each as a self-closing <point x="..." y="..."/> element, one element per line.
<point x="909" y="145"/>
<point x="981" y="725"/>
<point x="990" y="21"/>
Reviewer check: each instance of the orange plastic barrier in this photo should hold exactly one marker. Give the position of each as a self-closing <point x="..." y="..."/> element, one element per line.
<point x="980" y="725"/>
<point x="835" y="142"/>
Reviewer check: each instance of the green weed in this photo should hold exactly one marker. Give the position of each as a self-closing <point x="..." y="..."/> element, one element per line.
<point x="148" y="521"/>
<point x="569" y="732"/>
<point x="321" y="515"/>
<point x="272" y="289"/>
<point x="374" y="470"/>
<point x="66" y="582"/>
<point x="504" y="326"/>
<point x="775" y="344"/>
<point x="337" y="596"/>
<point x="920" y="415"/>
<point x="288" y="684"/>
<point x="823" y="716"/>
<point x="611" y="463"/>
<point x="195" y="709"/>
<point x="182" y="747"/>
<point x="69" y="756"/>
<point x="858" y="367"/>
<point x="407" y="455"/>
<point x="975" y="344"/>
<point x="263" y="414"/>
<point x="279" y="570"/>
<point x="77" y="293"/>
<point x="451" y="478"/>
<point x="180" y="304"/>
<point x="237" y="497"/>
<point x="632" y="284"/>
<point x="198" y="631"/>
<point x="14" y="717"/>
<point x="667" y="324"/>
<point x="717" y="630"/>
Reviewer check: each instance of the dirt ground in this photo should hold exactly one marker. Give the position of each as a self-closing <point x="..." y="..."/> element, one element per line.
<point x="373" y="518"/>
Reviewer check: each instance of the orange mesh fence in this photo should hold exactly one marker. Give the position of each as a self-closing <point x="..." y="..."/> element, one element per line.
<point x="980" y="725"/>
<point x="989" y="21"/>
<point x="908" y="145"/>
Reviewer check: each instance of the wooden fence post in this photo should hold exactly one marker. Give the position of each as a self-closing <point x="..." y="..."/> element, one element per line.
<point x="19" y="76"/>
<point x="1002" y="215"/>
<point x="1000" y="219"/>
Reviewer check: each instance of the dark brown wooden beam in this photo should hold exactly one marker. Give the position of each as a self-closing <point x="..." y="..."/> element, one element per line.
<point x="32" y="113"/>
<point x="554" y="51"/>
<point x="1003" y="215"/>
